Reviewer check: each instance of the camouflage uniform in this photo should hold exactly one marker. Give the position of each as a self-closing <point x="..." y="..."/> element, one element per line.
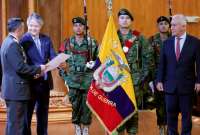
<point x="156" y="43"/>
<point x="139" y="57"/>
<point x="79" y="77"/>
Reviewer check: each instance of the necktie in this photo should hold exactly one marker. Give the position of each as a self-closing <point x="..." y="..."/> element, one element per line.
<point x="178" y="51"/>
<point x="38" y="45"/>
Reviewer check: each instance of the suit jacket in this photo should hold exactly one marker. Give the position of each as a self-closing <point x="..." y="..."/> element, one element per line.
<point x="16" y="72"/>
<point x="33" y="55"/>
<point x="180" y="75"/>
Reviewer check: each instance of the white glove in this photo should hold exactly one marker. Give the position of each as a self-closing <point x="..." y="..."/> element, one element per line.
<point x="90" y="64"/>
<point x="151" y="86"/>
<point x="125" y="49"/>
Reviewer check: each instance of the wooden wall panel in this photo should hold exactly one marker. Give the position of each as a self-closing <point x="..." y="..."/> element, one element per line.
<point x="189" y="8"/>
<point x="50" y="10"/>
<point x="145" y="14"/>
<point x="17" y="8"/>
<point x="58" y="14"/>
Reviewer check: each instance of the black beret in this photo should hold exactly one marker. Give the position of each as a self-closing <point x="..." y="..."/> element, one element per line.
<point x="163" y="18"/>
<point x="124" y="11"/>
<point x="78" y="20"/>
<point x="14" y="23"/>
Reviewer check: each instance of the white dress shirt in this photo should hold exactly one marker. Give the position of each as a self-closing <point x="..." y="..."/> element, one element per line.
<point x="182" y="41"/>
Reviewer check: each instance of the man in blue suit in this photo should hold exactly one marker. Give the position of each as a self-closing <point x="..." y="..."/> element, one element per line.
<point x="39" y="50"/>
<point x="15" y="81"/>
<point x="179" y="75"/>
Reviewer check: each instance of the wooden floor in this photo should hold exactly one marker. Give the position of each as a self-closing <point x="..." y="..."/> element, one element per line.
<point x="147" y="126"/>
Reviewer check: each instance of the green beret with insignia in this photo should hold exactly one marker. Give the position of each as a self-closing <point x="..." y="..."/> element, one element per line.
<point x="124" y="11"/>
<point x="78" y="20"/>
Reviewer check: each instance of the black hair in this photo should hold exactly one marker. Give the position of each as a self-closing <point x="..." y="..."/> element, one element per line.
<point x="14" y="23"/>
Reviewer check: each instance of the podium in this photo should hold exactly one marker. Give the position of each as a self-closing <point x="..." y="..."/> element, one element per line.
<point x="58" y="110"/>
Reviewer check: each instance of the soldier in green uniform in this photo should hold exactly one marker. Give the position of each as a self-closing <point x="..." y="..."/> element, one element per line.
<point x="156" y="41"/>
<point x="139" y="55"/>
<point x="79" y="75"/>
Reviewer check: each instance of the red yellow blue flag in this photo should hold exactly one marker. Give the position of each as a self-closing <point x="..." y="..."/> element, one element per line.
<point x="111" y="94"/>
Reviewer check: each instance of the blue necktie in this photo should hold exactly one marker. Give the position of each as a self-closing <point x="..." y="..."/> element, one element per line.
<point x="38" y="45"/>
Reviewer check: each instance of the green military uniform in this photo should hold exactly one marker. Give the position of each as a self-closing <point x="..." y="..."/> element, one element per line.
<point x="139" y="57"/>
<point x="79" y="77"/>
<point x="157" y="44"/>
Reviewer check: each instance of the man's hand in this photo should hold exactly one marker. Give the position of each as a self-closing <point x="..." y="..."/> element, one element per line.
<point x="43" y="68"/>
<point x="64" y="66"/>
<point x="197" y="87"/>
<point x="90" y="64"/>
<point x="1" y="99"/>
<point x="159" y="86"/>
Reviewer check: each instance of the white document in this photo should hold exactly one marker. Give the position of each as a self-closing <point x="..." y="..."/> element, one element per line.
<point x="55" y="62"/>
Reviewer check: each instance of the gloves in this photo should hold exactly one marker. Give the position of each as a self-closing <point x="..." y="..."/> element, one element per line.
<point x="90" y="64"/>
<point x="151" y="85"/>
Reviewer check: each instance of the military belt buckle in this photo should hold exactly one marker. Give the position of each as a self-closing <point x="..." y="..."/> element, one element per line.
<point x="78" y="68"/>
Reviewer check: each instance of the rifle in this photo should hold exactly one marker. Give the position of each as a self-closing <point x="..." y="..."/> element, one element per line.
<point x="170" y="9"/>
<point x="87" y="36"/>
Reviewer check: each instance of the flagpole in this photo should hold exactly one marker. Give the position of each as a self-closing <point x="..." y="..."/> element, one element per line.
<point x="87" y="32"/>
<point x="109" y="4"/>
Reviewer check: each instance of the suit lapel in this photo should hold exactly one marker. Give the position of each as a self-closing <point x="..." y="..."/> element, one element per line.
<point x="172" y="49"/>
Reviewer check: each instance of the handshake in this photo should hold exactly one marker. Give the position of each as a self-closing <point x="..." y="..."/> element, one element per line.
<point x="43" y="71"/>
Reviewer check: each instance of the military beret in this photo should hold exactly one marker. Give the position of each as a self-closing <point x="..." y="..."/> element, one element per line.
<point x="78" y="20"/>
<point x="14" y="23"/>
<point x="163" y="18"/>
<point x="124" y="11"/>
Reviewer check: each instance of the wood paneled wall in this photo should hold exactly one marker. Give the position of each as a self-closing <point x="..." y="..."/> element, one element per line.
<point x="17" y="8"/>
<point x="50" y="10"/>
<point x="58" y="14"/>
<point x="144" y="12"/>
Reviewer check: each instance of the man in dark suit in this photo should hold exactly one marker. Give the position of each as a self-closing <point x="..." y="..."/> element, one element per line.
<point x="15" y="81"/>
<point x="179" y="75"/>
<point x="39" y="50"/>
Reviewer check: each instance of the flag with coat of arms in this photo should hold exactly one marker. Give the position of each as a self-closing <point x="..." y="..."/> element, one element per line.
<point x="111" y="94"/>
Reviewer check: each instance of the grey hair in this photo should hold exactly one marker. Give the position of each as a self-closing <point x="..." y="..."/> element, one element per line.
<point x="180" y="18"/>
<point x="36" y="17"/>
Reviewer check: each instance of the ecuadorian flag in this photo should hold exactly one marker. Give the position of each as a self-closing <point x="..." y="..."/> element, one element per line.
<point x="111" y="94"/>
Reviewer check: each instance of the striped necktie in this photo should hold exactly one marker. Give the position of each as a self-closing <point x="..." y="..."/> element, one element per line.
<point x="38" y="45"/>
<point x="178" y="50"/>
